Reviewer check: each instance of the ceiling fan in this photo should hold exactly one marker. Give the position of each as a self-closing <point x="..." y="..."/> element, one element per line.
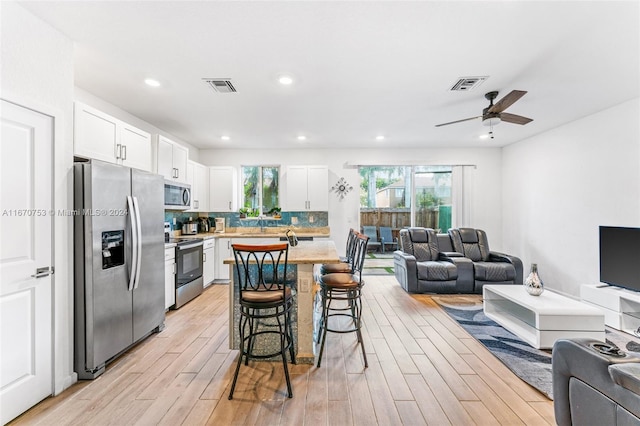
<point x="493" y="114"/>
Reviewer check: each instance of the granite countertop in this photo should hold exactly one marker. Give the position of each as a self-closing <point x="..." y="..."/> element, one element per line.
<point x="309" y="252"/>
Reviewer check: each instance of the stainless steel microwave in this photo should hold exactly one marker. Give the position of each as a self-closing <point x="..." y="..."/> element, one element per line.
<point x="177" y="196"/>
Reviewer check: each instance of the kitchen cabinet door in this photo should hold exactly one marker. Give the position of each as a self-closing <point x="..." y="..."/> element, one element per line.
<point x="164" y="153"/>
<point x="171" y="160"/>
<point x="95" y="134"/>
<point x="318" y="188"/>
<point x="198" y="178"/>
<point x="136" y="147"/>
<point x="223" y="251"/>
<point x="222" y="189"/>
<point x="102" y="137"/>
<point x="209" y="261"/>
<point x="180" y="157"/>
<point x="307" y="188"/>
<point x="297" y="188"/>
<point x="201" y="180"/>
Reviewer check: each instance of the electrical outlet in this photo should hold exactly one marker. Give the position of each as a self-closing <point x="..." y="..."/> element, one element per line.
<point x="311" y="219"/>
<point x="294" y="220"/>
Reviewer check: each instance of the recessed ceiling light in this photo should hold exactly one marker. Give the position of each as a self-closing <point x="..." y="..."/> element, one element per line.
<point x="225" y="138"/>
<point x="286" y="80"/>
<point x="380" y="137"/>
<point x="151" y="82"/>
<point x="302" y="138"/>
<point x="485" y="136"/>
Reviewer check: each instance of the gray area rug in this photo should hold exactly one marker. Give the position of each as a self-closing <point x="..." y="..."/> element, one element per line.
<point x="530" y="364"/>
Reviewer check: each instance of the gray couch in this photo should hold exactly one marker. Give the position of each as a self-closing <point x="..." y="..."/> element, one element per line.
<point x="427" y="262"/>
<point x="594" y="388"/>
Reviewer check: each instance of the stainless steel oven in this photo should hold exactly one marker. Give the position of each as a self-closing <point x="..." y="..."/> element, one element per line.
<point x="189" y="266"/>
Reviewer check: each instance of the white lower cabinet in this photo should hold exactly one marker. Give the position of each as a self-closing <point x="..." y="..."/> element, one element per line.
<point x="169" y="277"/>
<point x="209" y="261"/>
<point x="223" y="251"/>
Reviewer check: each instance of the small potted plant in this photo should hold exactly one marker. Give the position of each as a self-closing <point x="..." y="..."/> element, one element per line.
<point x="275" y="212"/>
<point x="243" y="212"/>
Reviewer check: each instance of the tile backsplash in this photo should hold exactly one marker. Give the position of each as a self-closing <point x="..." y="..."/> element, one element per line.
<point x="304" y="219"/>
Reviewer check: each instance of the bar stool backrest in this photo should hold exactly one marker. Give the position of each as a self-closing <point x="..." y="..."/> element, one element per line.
<point x="351" y="245"/>
<point x="271" y="271"/>
<point x="360" y="253"/>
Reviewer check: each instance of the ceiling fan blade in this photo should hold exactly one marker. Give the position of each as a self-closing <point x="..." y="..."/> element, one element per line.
<point x="457" y="121"/>
<point x="515" y="119"/>
<point x="507" y="101"/>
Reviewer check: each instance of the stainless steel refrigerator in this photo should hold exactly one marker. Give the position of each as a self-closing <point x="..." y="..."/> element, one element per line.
<point x="119" y="261"/>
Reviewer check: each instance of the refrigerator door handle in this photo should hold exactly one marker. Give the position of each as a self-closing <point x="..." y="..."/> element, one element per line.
<point x="134" y="245"/>
<point x="139" y="242"/>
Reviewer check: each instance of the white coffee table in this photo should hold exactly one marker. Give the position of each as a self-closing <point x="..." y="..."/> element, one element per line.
<point x="541" y="320"/>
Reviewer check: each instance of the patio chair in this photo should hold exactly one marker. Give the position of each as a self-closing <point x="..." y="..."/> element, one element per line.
<point x="386" y="238"/>
<point x="372" y="233"/>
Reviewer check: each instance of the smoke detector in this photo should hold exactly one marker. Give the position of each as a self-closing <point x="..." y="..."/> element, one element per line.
<point x="220" y="85"/>
<point x="465" y="84"/>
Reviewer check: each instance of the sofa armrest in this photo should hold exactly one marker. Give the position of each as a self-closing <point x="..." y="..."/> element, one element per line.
<point x="446" y="254"/>
<point x="464" y="265"/>
<point x="577" y="358"/>
<point x="406" y="270"/>
<point x="627" y="376"/>
<point x="495" y="256"/>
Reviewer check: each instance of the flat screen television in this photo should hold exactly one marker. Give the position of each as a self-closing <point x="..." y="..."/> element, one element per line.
<point x="620" y="257"/>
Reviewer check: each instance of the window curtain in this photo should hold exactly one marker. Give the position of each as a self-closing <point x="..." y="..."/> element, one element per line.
<point x="462" y="184"/>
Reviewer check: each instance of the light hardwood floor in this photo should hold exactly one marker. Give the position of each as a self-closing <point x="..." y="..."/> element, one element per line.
<point x="423" y="369"/>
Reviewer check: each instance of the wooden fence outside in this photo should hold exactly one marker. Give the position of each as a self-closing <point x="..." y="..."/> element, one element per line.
<point x="397" y="219"/>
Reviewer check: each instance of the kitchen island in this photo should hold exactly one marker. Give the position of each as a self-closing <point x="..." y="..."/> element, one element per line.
<point x="302" y="259"/>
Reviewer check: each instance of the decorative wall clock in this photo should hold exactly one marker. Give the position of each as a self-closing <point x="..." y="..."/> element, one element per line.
<point x="341" y="188"/>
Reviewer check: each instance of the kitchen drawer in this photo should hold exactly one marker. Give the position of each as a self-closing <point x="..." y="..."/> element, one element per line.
<point x="169" y="254"/>
<point x="209" y="243"/>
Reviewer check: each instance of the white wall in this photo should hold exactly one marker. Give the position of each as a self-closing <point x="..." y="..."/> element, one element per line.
<point x="558" y="187"/>
<point x="114" y="111"/>
<point x="37" y="72"/>
<point x="344" y="214"/>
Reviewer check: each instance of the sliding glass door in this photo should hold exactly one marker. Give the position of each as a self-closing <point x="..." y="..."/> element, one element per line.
<point x="402" y="196"/>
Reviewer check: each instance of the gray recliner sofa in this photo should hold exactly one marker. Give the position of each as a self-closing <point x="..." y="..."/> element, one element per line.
<point x="456" y="262"/>
<point x="594" y="386"/>
<point x="421" y="266"/>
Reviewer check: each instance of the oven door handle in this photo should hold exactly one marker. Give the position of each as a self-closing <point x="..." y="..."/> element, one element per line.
<point x="134" y="244"/>
<point x="188" y="246"/>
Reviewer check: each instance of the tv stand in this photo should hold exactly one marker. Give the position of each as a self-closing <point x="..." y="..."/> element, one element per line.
<point x="621" y="307"/>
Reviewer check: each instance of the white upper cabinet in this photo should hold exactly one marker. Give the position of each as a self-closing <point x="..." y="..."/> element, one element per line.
<point x="198" y="178"/>
<point x="136" y="147"/>
<point x="100" y="136"/>
<point x="222" y="189"/>
<point x="171" y="160"/>
<point x="307" y="188"/>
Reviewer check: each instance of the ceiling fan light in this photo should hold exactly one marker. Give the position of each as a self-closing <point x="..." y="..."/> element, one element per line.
<point x="493" y="121"/>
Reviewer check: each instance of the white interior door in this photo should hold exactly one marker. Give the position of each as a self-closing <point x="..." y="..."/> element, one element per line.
<point x="26" y="260"/>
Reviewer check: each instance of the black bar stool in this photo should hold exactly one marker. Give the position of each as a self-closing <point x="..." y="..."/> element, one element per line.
<point x="346" y="264"/>
<point x="265" y="303"/>
<point x="344" y="287"/>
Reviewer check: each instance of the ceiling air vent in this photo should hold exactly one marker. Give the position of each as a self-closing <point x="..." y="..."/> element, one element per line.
<point x="464" y="84"/>
<point x="220" y="85"/>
